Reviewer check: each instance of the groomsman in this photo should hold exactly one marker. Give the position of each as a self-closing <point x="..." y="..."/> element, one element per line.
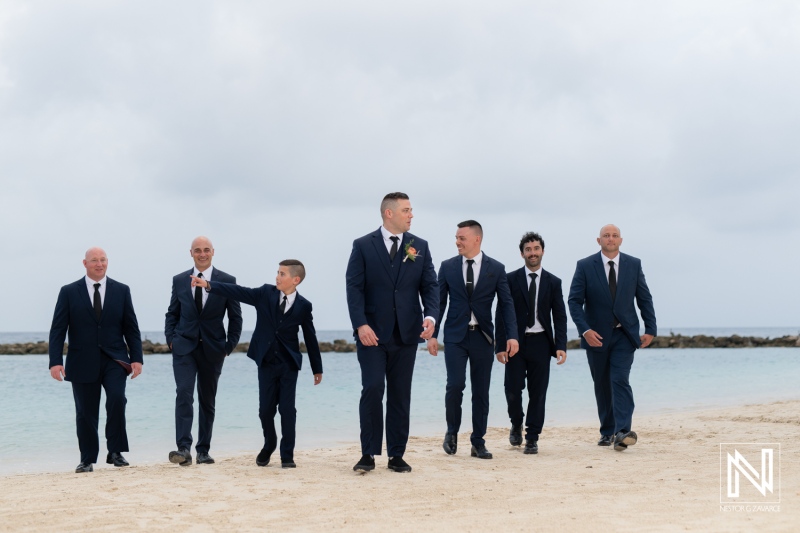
<point x="471" y="280"/>
<point x="601" y="300"/>
<point x="388" y="272"/>
<point x="542" y="326"/>
<point x="105" y="346"/>
<point x="195" y="332"/>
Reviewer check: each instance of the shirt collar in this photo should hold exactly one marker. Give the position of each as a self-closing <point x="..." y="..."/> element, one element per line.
<point x="290" y="298"/>
<point x="90" y="282"/>
<point x="478" y="258"/>
<point x="207" y="274"/>
<point x="387" y="234"/>
<point x="606" y="259"/>
<point x="538" y="272"/>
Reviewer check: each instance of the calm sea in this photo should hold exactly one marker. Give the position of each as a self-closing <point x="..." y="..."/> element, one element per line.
<point x="37" y="421"/>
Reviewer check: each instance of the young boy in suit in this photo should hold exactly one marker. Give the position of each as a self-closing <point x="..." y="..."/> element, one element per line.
<point x="280" y="311"/>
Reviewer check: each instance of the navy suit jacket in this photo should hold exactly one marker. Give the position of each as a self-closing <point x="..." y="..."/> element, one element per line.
<point x="380" y="297"/>
<point x="116" y="334"/>
<point x="551" y="312"/>
<point x="491" y="282"/>
<point x="590" y="300"/>
<point x="269" y="330"/>
<point x="184" y="326"/>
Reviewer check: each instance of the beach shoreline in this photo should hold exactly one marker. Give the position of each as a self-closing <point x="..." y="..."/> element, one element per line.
<point x="670" y="479"/>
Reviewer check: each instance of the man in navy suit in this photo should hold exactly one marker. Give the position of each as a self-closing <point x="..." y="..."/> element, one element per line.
<point x="196" y="334"/>
<point x="471" y="280"/>
<point x="388" y="271"/>
<point x="280" y="312"/>
<point x="105" y="346"/>
<point x="601" y="299"/>
<point x="542" y="328"/>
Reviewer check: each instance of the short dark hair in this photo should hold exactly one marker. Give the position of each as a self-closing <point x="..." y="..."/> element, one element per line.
<point x="472" y="224"/>
<point x="390" y="200"/>
<point x="296" y="268"/>
<point x="530" y="237"/>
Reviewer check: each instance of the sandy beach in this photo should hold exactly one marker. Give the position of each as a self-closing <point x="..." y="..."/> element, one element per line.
<point x="670" y="480"/>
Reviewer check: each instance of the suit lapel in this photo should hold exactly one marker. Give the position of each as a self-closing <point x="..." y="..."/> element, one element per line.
<point x="543" y="294"/>
<point x="518" y="277"/>
<point x="402" y="251"/>
<point x="381" y="252"/>
<point x="458" y="272"/>
<point x="110" y="297"/>
<point x="86" y="297"/>
<point x="600" y="270"/>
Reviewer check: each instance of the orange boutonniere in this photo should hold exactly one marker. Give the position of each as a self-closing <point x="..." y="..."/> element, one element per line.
<point x="411" y="252"/>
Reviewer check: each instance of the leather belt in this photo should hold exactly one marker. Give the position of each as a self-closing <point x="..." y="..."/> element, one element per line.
<point x="531" y="333"/>
<point x="476" y="327"/>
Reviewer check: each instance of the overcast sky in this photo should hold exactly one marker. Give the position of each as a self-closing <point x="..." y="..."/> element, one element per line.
<point x="275" y="128"/>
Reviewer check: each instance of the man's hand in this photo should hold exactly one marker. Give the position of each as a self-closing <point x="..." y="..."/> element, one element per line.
<point x="198" y="282"/>
<point x="561" y="356"/>
<point x="58" y="372"/>
<point x="502" y="357"/>
<point x="593" y="338"/>
<point x="367" y="336"/>
<point x="512" y="347"/>
<point x="427" y="329"/>
<point x="433" y="346"/>
<point x="317" y="379"/>
<point x="137" y="369"/>
<point x="646" y="340"/>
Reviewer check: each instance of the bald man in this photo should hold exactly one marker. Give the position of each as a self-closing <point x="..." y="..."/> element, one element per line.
<point x="601" y="300"/>
<point x="105" y="347"/>
<point x="196" y="334"/>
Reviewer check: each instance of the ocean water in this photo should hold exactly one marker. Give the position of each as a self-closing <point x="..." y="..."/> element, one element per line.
<point x="37" y="421"/>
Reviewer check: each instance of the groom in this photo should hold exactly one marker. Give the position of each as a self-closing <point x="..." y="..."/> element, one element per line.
<point x="389" y="270"/>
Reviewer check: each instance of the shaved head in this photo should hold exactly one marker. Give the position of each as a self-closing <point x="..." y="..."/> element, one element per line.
<point x="202" y="252"/>
<point x="94" y="250"/>
<point x="610" y="227"/>
<point x="202" y="242"/>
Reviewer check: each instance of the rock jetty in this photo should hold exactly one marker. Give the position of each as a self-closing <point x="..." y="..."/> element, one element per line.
<point x="342" y="346"/>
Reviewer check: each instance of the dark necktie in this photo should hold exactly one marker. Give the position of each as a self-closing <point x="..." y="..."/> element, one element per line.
<point x="282" y="307"/>
<point x="98" y="303"/>
<point x="612" y="281"/>
<point x="612" y="286"/>
<point x="198" y="296"/>
<point x="470" y="277"/>
<point x="532" y="301"/>
<point x="393" y="251"/>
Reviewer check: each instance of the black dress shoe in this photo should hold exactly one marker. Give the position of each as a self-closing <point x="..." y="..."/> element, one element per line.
<point x="450" y="443"/>
<point x="287" y="463"/>
<point x="515" y="436"/>
<point x="262" y="459"/>
<point x="623" y="439"/>
<point x="480" y="452"/>
<point x="116" y="459"/>
<point x="182" y="457"/>
<point x="605" y="440"/>
<point x="84" y="467"/>
<point x="365" y="464"/>
<point x="531" y="447"/>
<point x="398" y="465"/>
<point x="204" y="459"/>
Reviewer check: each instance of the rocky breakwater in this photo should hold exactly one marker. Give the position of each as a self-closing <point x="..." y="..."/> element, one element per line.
<point x="342" y="346"/>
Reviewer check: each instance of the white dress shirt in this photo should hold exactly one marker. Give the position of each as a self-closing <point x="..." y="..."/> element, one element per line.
<point x="206" y="276"/>
<point x="290" y="298"/>
<point x="90" y="286"/>
<point x="537" y="326"/>
<point x="476" y="272"/>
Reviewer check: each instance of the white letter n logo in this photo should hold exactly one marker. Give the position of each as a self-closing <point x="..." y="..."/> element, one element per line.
<point x="762" y="482"/>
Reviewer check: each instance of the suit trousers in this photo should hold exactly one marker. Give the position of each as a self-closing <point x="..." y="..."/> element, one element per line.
<point x="387" y="367"/>
<point x="531" y="363"/>
<point x="476" y="350"/>
<point x="611" y="369"/>
<point x="188" y="369"/>
<point x="277" y="386"/>
<point x="87" y="410"/>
